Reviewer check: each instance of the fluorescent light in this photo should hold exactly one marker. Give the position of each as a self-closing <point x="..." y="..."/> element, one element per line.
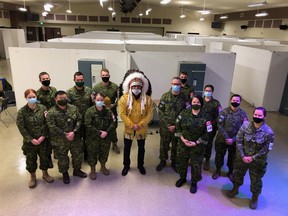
<point x="258" y="4"/>
<point x="204" y="12"/>
<point x="149" y="9"/>
<point x="262" y="14"/>
<point x="113" y="13"/>
<point x="224" y="17"/>
<point x="48" y="5"/>
<point x="110" y="8"/>
<point x="182" y="16"/>
<point x="201" y="19"/>
<point x="44" y="13"/>
<point x="68" y="11"/>
<point x="165" y="1"/>
<point x="23" y="9"/>
<point x="141" y="14"/>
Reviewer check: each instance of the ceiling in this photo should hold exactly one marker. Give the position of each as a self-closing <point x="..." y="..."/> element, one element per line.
<point x="217" y="6"/>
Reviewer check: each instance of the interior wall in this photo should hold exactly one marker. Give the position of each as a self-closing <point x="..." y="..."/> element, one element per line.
<point x="161" y="67"/>
<point x="61" y="64"/>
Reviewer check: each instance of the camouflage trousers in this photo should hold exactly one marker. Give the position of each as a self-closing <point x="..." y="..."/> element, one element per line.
<point x="208" y="146"/>
<point x="31" y="152"/>
<point x="97" y="149"/>
<point x="196" y="155"/>
<point x="166" y="137"/>
<point x="113" y="133"/>
<point x="221" y="149"/>
<point x="76" y="149"/>
<point x="257" y="169"/>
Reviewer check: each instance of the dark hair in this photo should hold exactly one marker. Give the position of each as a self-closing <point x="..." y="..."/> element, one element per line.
<point x="130" y="71"/>
<point x="60" y="92"/>
<point x="78" y="73"/>
<point x="183" y="72"/>
<point x="199" y="97"/>
<point x="98" y="93"/>
<point x="260" y="108"/>
<point x="28" y="91"/>
<point x="43" y="73"/>
<point x="236" y="95"/>
<point x="211" y="86"/>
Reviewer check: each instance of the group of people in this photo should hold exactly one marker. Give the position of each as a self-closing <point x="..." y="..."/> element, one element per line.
<point x="84" y="122"/>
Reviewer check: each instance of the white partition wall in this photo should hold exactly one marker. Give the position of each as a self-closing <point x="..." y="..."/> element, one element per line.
<point x="160" y="67"/>
<point x="61" y="64"/>
<point x="260" y="76"/>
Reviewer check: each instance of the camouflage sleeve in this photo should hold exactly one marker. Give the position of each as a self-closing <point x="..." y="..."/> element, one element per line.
<point x="266" y="146"/>
<point x="88" y="123"/>
<point x="22" y="126"/>
<point x="240" y="139"/>
<point x="51" y="122"/>
<point x="79" y="120"/>
<point x="161" y="107"/>
<point x="149" y="114"/>
<point x="221" y="122"/>
<point x="178" y="132"/>
<point x="208" y="133"/>
<point x="111" y="119"/>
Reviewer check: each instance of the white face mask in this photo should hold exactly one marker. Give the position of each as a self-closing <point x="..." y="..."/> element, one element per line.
<point x="136" y="91"/>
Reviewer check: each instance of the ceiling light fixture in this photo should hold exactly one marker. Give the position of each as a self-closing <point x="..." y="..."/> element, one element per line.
<point x="110" y="8"/>
<point x="69" y="9"/>
<point x="259" y="4"/>
<point x="148" y="10"/>
<point x="140" y="11"/>
<point x="23" y="9"/>
<point x="182" y="14"/>
<point x="165" y="2"/>
<point x="204" y="12"/>
<point x="201" y="19"/>
<point x="44" y="14"/>
<point x="224" y="17"/>
<point x="48" y="6"/>
<point x="262" y="14"/>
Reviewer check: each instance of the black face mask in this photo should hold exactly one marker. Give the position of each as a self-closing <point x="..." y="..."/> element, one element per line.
<point x="235" y="104"/>
<point x="183" y="81"/>
<point x="79" y="84"/>
<point x="46" y="83"/>
<point x="196" y="107"/>
<point x="105" y="79"/>
<point x="62" y="102"/>
<point x="257" y="120"/>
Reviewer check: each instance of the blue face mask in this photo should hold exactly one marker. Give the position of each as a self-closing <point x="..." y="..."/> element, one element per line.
<point x="176" y="88"/>
<point x="31" y="100"/>
<point x="99" y="103"/>
<point x="207" y="94"/>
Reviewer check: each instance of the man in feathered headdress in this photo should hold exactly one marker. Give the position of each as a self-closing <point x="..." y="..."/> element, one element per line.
<point x="136" y="111"/>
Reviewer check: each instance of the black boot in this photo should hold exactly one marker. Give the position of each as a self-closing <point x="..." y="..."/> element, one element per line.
<point x="161" y="165"/>
<point x="254" y="201"/>
<point x="193" y="188"/>
<point x="180" y="182"/>
<point x="125" y="171"/>
<point x="234" y="191"/>
<point x="216" y="174"/>
<point x="66" y="178"/>
<point x="142" y="170"/>
<point x="79" y="173"/>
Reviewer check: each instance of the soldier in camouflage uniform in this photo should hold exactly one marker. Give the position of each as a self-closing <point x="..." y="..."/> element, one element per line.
<point x="193" y="128"/>
<point x="64" y="122"/>
<point x="32" y="125"/>
<point x="212" y="107"/>
<point x="186" y="89"/>
<point x="229" y="122"/>
<point x="110" y="90"/>
<point x="80" y="96"/>
<point x="170" y="106"/>
<point x="254" y="141"/>
<point x="99" y="121"/>
<point x="45" y="94"/>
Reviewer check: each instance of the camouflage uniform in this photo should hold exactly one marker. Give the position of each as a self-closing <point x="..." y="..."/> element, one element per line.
<point x="82" y="100"/>
<point x="229" y="122"/>
<point x="187" y="89"/>
<point x="256" y="143"/>
<point x="46" y="97"/>
<point x="95" y="121"/>
<point x="170" y="107"/>
<point x="32" y="125"/>
<point x="193" y="128"/>
<point x="212" y="108"/>
<point x="111" y="97"/>
<point x="60" y="122"/>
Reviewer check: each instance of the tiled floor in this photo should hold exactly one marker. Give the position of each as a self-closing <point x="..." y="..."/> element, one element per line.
<point x="135" y="194"/>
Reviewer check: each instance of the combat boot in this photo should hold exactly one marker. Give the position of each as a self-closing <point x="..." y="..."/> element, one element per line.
<point x="180" y="182"/>
<point x="93" y="174"/>
<point x="193" y="188"/>
<point x="254" y="201"/>
<point x="32" y="182"/>
<point x="161" y="165"/>
<point x="104" y="170"/>
<point x="206" y="165"/>
<point x="216" y="174"/>
<point x="47" y="177"/>
<point x="115" y="148"/>
<point x="79" y="173"/>
<point x="234" y="191"/>
<point x="66" y="178"/>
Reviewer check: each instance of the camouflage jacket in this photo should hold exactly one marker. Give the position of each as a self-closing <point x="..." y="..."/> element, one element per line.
<point x="229" y="122"/>
<point x="96" y="120"/>
<point x="81" y="99"/>
<point x="186" y="90"/>
<point x="46" y="97"/>
<point x="254" y="142"/>
<point x="32" y="123"/>
<point x="62" y="121"/>
<point x="212" y="108"/>
<point x="193" y="127"/>
<point x="170" y="107"/>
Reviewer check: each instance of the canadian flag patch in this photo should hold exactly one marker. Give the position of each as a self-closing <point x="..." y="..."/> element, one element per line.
<point x="209" y="126"/>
